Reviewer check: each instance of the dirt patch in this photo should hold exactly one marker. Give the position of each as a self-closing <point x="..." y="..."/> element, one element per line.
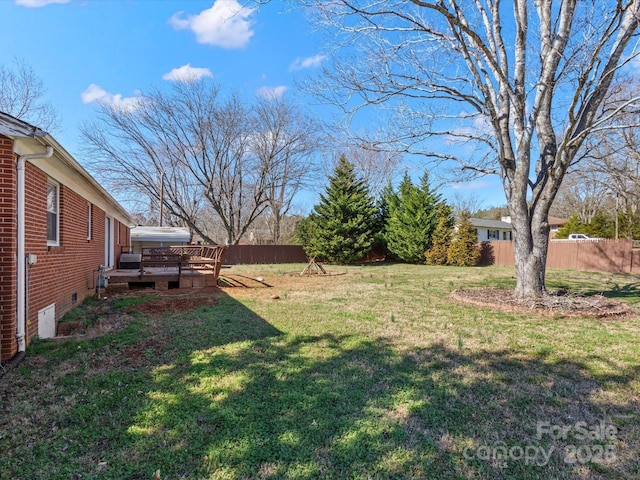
<point x="554" y="304"/>
<point x="174" y="304"/>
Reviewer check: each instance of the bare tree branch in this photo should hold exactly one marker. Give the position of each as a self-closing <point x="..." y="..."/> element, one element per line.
<point x="536" y="71"/>
<point x="209" y="155"/>
<point x="22" y="95"/>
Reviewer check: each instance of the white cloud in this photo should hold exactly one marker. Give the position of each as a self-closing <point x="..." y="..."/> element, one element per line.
<point x="308" y="62"/>
<point x="475" y="185"/>
<point x="271" y="92"/>
<point x="187" y="73"/>
<point x="226" y="24"/>
<point x="469" y="125"/>
<point x="92" y="93"/>
<point x="95" y="93"/>
<point x="38" y="3"/>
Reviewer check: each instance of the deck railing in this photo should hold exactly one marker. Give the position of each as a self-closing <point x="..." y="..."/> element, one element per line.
<point x="190" y="257"/>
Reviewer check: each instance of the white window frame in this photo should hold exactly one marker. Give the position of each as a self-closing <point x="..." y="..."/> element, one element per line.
<point x="108" y="241"/>
<point x="54" y="242"/>
<point x="89" y="221"/>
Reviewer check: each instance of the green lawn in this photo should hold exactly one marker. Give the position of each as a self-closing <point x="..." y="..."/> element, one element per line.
<point x="375" y="373"/>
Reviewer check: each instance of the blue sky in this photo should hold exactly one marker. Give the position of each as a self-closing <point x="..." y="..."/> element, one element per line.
<point x="86" y="50"/>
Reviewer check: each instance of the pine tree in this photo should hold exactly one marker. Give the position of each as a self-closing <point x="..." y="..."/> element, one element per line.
<point x="463" y="250"/>
<point x="437" y="254"/>
<point x="573" y="225"/>
<point x="411" y="219"/>
<point x="342" y="227"/>
<point x="304" y="232"/>
<point x="602" y="225"/>
<point x="629" y="224"/>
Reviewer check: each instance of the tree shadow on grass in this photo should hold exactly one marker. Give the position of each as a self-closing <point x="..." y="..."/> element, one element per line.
<point x="612" y="289"/>
<point x="342" y="407"/>
<point x="229" y="396"/>
<point x="346" y="407"/>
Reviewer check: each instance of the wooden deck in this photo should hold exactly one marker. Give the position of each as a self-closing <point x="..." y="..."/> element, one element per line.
<point x="163" y="279"/>
<point x="173" y="267"/>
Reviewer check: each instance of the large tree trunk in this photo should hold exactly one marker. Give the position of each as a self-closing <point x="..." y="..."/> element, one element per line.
<point x="530" y="245"/>
<point x="531" y="91"/>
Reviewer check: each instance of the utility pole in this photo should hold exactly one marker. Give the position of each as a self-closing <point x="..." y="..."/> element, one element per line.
<point x="617" y="201"/>
<point x="162" y="198"/>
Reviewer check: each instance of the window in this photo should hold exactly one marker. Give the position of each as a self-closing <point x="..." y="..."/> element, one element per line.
<point x="493" y="234"/>
<point x="89" y="221"/>
<point x="108" y="242"/>
<point x="53" y="209"/>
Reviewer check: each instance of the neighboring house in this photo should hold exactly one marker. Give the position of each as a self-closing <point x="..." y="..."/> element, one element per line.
<point x="58" y="227"/>
<point x="143" y="237"/>
<point x="489" y="230"/>
<point x="555" y="224"/>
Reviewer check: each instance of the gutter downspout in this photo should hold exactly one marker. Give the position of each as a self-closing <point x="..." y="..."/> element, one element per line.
<point x="21" y="321"/>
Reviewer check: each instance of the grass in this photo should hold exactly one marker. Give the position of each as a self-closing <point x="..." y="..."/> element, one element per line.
<point x="375" y="373"/>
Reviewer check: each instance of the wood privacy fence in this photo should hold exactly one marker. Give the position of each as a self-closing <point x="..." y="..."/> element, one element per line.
<point x="614" y="256"/>
<point x="254" y="254"/>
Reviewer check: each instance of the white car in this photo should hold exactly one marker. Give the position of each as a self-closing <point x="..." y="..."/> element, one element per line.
<point x="582" y="236"/>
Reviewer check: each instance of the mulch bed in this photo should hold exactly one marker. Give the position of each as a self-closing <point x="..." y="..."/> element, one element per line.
<point x="553" y="304"/>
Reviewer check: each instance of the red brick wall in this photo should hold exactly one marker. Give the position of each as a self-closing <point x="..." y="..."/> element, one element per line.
<point x="8" y="230"/>
<point x="68" y="269"/>
<point x="60" y="272"/>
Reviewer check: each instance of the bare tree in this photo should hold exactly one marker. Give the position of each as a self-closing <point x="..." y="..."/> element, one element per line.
<point x="614" y="153"/>
<point x="284" y="143"/>
<point x="209" y="160"/>
<point x="583" y="192"/>
<point x="22" y="95"/>
<point x="470" y="203"/>
<point x="189" y="143"/>
<point x="376" y="166"/>
<point x="509" y="88"/>
<point x="607" y="179"/>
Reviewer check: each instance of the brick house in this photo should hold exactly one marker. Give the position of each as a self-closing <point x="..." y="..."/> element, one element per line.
<point x="57" y="224"/>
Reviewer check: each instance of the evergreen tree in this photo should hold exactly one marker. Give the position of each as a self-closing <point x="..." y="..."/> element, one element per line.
<point x="573" y="225"/>
<point x="304" y="230"/>
<point x="463" y="250"/>
<point x="383" y="216"/>
<point x="629" y="225"/>
<point x="602" y="225"/>
<point x="411" y="219"/>
<point x="437" y="254"/>
<point x="343" y="226"/>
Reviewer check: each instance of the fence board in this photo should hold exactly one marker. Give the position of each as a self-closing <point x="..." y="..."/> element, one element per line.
<point x="635" y="261"/>
<point x="614" y="256"/>
<point x="257" y="254"/>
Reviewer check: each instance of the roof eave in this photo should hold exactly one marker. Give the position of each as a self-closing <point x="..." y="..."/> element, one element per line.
<point x="13" y="127"/>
